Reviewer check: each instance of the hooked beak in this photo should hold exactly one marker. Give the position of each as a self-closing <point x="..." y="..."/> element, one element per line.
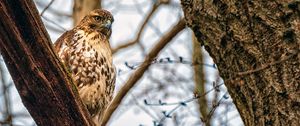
<point x="108" y="24"/>
<point x="106" y="28"/>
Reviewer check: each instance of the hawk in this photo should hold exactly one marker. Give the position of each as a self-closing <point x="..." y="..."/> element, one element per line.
<point x="86" y="52"/>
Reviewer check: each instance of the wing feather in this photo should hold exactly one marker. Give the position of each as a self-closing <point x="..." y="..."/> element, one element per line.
<point x="62" y="45"/>
<point x="65" y="38"/>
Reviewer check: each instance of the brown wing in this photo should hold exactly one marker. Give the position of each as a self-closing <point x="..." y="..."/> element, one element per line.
<point x="65" y="38"/>
<point x="61" y="46"/>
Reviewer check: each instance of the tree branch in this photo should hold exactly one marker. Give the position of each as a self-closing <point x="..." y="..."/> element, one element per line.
<point x="43" y="84"/>
<point x="265" y="66"/>
<point x="199" y="77"/>
<point x="139" y="33"/>
<point x="139" y="72"/>
<point x="44" y="10"/>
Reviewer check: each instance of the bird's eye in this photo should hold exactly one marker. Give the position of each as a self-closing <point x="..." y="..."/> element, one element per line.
<point x="97" y="18"/>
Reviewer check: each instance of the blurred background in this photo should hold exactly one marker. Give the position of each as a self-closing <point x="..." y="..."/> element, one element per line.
<point x="182" y="87"/>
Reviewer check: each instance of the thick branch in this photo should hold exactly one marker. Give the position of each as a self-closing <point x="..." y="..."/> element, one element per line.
<point x="139" y="72"/>
<point x="42" y="82"/>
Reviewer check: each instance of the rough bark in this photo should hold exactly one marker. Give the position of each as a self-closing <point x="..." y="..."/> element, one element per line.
<point x="256" y="47"/>
<point x="41" y="80"/>
<point x="83" y="7"/>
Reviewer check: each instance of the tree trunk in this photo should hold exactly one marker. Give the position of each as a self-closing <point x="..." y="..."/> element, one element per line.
<point x="256" y="47"/>
<point x="199" y="77"/>
<point x="43" y="84"/>
<point x="83" y="7"/>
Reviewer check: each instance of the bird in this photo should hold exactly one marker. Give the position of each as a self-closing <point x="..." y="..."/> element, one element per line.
<point x="86" y="53"/>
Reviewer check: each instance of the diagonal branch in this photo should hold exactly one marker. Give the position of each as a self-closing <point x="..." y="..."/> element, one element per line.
<point x="265" y="66"/>
<point x="139" y="72"/>
<point x="45" y="9"/>
<point x="139" y="33"/>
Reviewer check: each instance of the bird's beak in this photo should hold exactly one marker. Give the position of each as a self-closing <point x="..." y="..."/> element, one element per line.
<point x="107" y="24"/>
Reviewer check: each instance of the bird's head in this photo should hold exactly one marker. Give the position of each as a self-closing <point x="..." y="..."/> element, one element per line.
<point x="99" y="20"/>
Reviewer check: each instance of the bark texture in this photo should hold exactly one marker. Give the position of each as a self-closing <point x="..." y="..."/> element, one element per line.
<point x="43" y="84"/>
<point x="256" y="47"/>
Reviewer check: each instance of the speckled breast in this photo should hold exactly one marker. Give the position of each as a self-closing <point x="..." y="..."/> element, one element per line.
<point x="88" y="64"/>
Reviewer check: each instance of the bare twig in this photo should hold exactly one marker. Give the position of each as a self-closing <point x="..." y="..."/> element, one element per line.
<point x="6" y="94"/>
<point x="59" y="26"/>
<point x="187" y="100"/>
<point x="265" y="66"/>
<point x="139" y="72"/>
<point x="168" y="115"/>
<point x="143" y="108"/>
<point x="214" y="108"/>
<point x="168" y="60"/>
<point x="51" y="2"/>
<point x="56" y="12"/>
<point x="53" y="28"/>
<point x="139" y="33"/>
<point x="184" y="103"/>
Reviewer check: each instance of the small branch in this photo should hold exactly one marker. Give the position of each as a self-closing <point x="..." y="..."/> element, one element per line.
<point x="139" y="33"/>
<point x="142" y="107"/>
<point x="139" y="72"/>
<point x="184" y="103"/>
<point x="6" y="94"/>
<point x="214" y="108"/>
<point x="165" y="61"/>
<point x="54" y="23"/>
<point x="53" y="28"/>
<point x="53" y="11"/>
<point x="265" y="66"/>
<point x="51" y="2"/>
<point x="168" y="114"/>
<point x="216" y="87"/>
